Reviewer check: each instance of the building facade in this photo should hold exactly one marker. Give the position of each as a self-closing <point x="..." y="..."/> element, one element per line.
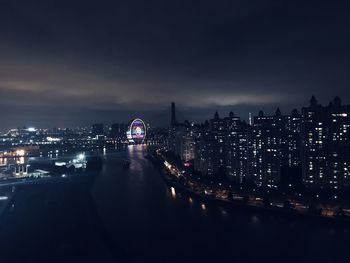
<point x="265" y="138"/>
<point x="310" y="149"/>
<point x="236" y="148"/>
<point x="325" y="145"/>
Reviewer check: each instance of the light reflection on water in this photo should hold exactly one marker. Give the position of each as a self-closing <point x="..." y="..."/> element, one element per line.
<point x="173" y="192"/>
<point x="135" y="154"/>
<point x="255" y="220"/>
<point x="224" y="212"/>
<point x="136" y="212"/>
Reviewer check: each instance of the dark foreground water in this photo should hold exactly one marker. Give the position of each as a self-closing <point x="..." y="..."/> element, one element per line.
<point x="132" y="216"/>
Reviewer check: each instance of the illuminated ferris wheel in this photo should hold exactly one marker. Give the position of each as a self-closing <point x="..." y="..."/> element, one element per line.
<point x="136" y="132"/>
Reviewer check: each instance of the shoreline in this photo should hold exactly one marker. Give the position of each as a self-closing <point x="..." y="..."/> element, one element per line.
<point x="261" y="209"/>
<point x="167" y="177"/>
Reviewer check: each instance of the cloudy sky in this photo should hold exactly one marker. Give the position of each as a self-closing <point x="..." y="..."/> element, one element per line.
<point x="65" y="63"/>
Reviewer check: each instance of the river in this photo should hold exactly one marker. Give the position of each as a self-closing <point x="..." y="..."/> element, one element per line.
<point x="133" y="216"/>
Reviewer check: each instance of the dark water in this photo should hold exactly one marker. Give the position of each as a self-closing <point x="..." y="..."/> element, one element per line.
<point x="132" y="216"/>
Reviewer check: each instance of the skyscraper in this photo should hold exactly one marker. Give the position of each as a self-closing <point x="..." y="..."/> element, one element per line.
<point x="172" y="130"/>
<point x="218" y="137"/>
<point x="326" y="145"/>
<point x="204" y="153"/>
<point x="186" y="141"/>
<point x="290" y="151"/>
<point x="97" y="129"/>
<point x="236" y="148"/>
<point x="173" y="116"/>
<point x="264" y="153"/>
<point x="118" y="130"/>
<point x="291" y="139"/>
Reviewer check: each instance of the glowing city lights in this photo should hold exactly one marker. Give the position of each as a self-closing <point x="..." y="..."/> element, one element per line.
<point x="136" y="132"/>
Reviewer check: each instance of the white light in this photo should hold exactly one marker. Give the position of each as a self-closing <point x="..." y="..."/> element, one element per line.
<point x="60" y="163"/>
<point x="52" y="139"/>
<point x="20" y="152"/>
<point x="173" y="193"/>
<point x="81" y="157"/>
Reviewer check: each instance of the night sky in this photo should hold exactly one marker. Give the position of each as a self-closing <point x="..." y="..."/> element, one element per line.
<point x="66" y="63"/>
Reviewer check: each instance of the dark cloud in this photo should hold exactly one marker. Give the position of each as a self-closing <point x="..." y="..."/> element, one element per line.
<point x="67" y="62"/>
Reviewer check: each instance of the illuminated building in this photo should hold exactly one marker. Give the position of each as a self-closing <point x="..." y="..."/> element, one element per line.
<point x="181" y="139"/>
<point x="312" y="148"/>
<point x="118" y="131"/>
<point x="97" y="130"/>
<point x="291" y="139"/>
<point x="20" y="170"/>
<point x="236" y="148"/>
<point x="172" y="130"/>
<point x="265" y="143"/>
<point x="218" y="134"/>
<point x="326" y="145"/>
<point x="221" y="148"/>
<point x="187" y="142"/>
<point x="290" y="151"/>
<point x="136" y="132"/>
<point x="210" y="157"/>
<point x="173" y="116"/>
<point x="203" y="161"/>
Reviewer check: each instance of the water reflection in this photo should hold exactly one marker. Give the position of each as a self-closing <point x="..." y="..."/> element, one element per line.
<point x="136" y="153"/>
<point x="224" y="212"/>
<point x="173" y="193"/>
<point x="122" y="219"/>
<point x="255" y="220"/>
<point x="6" y="196"/>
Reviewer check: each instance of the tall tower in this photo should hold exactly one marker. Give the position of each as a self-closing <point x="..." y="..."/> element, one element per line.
<point x="172" y="131"/>
<point x="173" y="118"/>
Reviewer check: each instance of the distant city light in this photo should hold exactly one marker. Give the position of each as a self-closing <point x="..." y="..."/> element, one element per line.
<point x="81" y="156"/>
<point x="20" y="152"/>
<point x="52" y="139"/>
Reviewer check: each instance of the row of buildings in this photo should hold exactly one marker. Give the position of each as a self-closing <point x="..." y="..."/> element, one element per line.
<point x="311" y="147"/>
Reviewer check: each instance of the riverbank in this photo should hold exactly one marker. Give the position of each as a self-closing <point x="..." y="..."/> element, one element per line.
<point x="74" y="178"/>
<point x="177" y="179"/>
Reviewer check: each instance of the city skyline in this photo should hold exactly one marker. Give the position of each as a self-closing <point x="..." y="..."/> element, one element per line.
<point x="174" y="131"/>
<point x="65" y="63"/>
<point x="307" y="147"/>
<point x="182" y="116"/>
